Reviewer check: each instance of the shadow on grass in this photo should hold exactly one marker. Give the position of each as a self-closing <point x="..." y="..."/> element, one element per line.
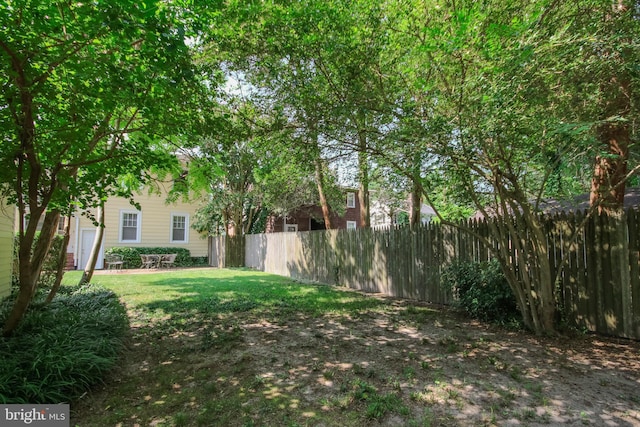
<point x="240" y="348"/>
<point x="262" y="294"/>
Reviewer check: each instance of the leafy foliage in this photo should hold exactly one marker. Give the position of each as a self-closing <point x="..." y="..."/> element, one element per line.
<point x="60" y="350"/>
<point x="91" y="93"/>
<point x="50" y="265"/>
<point x="482" y="291"/>
<point x="83" y="70"/>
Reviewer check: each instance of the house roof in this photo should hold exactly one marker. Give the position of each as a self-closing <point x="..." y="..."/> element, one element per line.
<point x="576" y="203"/>
<point x="581" y="202"/>
<point x="427" y="210"/>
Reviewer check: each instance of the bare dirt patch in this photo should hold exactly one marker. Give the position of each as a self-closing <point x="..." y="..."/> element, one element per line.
<point x="405" y="365"/>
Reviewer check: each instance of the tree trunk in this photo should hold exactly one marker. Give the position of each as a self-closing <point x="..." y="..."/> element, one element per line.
<point x="18" y="310"/>
<point x="233" y="215"/>
<point x="523" y="252"/>
<point x="237" y="220"/>
<point x="415" y="208"/>
<point x="363" y="196"/>
<point x="28" y="171"/>
<point x="62" y="260"/>
<point x="228" y="226"/>
<point x="251" y="216"/>
<point x="95" y="249"/>
<point x="610" y="171"/>
<point x="316" y="155"/>
<point x="30" y="266"/>
<point x="415" y="205"/>
<point x="43" y="243"/>
<point x="363" y="172"/>
<point x="324" y="204"/>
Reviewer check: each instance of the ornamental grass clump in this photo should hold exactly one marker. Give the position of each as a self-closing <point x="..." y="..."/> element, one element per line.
<point x="62" y="349"/>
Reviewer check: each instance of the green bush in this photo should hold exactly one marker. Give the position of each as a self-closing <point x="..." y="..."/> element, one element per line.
<point x="131" y="256"/>
<point x="199" y="261"/>
<point x="481" y="289"/>
<point x="50" y="265"/>
<point x="59" y="351"/>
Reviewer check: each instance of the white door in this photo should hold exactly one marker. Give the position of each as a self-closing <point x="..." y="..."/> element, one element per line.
<point x="86" y="243"/>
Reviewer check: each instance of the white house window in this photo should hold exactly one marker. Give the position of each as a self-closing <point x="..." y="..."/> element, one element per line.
<point x="60" y="228"/>
<point x="351" y="225"/>
<point x="290" y="227"/>
<point x="179" y="228"/>
<point x="130" y="226"/>
<point x="351" y="200"/>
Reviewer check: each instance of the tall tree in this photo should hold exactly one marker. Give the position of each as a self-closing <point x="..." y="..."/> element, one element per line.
<point x="87" y="87"/>
<point x="602" y="42"/>
<point x="503" y="84"/>
<point x="224" y="166"/>
<point x="301" y="55"/>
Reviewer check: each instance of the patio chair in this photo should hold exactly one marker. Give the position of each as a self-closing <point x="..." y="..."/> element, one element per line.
<point x="168" y="260"/>
<point x="113" y="261"/>
<point x="149" y="261"/>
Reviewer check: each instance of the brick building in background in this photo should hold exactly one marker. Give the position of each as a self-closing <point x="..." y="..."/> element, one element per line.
<point x="308" y="218"/>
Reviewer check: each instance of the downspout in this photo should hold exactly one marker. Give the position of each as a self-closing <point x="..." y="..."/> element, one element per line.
<point x="75" y="249"/>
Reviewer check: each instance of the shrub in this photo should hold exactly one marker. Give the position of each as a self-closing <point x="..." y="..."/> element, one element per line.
<point x="481" y="289"/>
<point x="50" y="265"/>
<point x="60" y="350"/>
<point x="199" y="261"/>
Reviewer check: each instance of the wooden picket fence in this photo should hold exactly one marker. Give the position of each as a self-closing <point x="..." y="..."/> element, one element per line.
<point x="227" y="251"/>
<point x="599" y="272"/>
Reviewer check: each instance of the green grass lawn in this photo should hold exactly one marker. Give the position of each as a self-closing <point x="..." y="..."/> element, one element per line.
<point x="181" y="319"/>
<point x="216" y="347"/>
<point x="200" y="291"/>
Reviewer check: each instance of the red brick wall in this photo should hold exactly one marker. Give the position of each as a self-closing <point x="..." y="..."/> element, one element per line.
<point x="304" y="216"/>
<point x="69" y="265"/>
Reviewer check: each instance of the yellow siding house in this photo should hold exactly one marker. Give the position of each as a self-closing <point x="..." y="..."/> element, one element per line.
<point x="156" y="224"/>
<point x="6" y="248"/>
